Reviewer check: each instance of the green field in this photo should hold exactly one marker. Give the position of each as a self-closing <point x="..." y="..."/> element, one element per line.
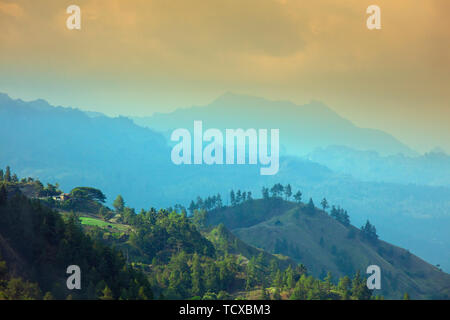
<point x="103" y="224"/>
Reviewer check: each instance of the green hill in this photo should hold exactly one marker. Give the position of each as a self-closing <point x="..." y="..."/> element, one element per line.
<point x="323" y="244"/>
<point x="276" y="249"/>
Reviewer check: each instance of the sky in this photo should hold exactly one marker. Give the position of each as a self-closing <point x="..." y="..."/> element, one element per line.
<point x="136" y="57"/>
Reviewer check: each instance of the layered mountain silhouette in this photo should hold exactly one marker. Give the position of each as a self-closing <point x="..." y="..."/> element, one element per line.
<point x="303" y="128"/>
<point x="68" y="146"/>
<point x="432" y="168"/>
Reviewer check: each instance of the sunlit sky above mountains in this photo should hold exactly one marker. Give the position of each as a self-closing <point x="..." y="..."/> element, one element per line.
<point x="136" y="57"/>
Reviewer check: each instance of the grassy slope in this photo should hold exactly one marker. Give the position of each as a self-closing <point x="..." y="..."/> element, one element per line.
<point x="262" y="224"/>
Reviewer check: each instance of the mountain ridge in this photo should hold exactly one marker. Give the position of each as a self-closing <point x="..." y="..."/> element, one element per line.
<point x="302" y="127"/>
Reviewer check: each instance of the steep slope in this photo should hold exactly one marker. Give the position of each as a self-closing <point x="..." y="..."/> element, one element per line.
<point x="321" y="243"/>
<point x="303" y="128"/>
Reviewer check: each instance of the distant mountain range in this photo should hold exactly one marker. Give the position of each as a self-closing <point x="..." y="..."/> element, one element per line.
<point x="432" y="168"/>
<point x="68" y="146"/>
<point x="303" y="128"/>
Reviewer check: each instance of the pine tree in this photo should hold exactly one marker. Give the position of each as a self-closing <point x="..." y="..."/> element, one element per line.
<point x="232" y="198"/>
<point x="119" y="204"/>
<point x="288" y="191"/>
<point x="328" y="282"/>
<point x="7" y="177"/>
<point x="196" y="276"/>
<point x="344" y="287"/>
<point x="219" y="203"/>
<point x="359" y="288"/>
<point x="48" y="296"/>
<point x="310" y="207"/>
<point x="324" y="204"/>
<point x="369" y="231"/>
<point x="238" y="197"/>
<point x="298" y="196"/>
<point x="289" y="276"/>
<point x="192" y="207"/>
<point x="107" y="294"/>
<point x="265" y="193"/>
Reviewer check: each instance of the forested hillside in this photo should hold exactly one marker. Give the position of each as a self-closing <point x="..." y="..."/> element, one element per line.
<point x="324" y="240"/>
<point x="160" y="254"/>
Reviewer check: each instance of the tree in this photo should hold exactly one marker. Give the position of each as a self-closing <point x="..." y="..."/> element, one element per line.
<point x="406" y="296"/>
<point x="344" y="287"/>
<point x="340" y="215"/>
<point x="265" y="193"/>
<point x="289" y="277"/>
<point x="211" y="276"/>
<point x="1" y="174"/>
<point x="119" y="204"/>
<point x="3" y="194"/>
<point x="277" y="190"/>
<point x="324" y="204"/>
<point x="328" y="281"/>
<point x="48" y="296"/>
<point x="298" y="196"/>
<point x="219" y="203"/>
<point x="196" y="276"/>
<point x="238" y="197"/>
<point x="232" y="198"/>
<point x="192" y="207"/>
<point x="288" y="191"/>
<point x="310" y="207"/>
<point x="107" y="294"/>
<point x="359" y="288"/>
<point x="88" y="193"/>
<point x="52" y="190"/>
<point x="369" y="231"/>
<point x="8" y="174"/>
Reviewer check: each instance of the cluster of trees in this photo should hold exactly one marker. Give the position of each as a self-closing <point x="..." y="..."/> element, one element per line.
<point x="239" y="197"/>
<point x="207" y="204"/>
<point x="195" y="276"/>
<point x="16" y="288"/>
<point x="340" y="215"/>
<point x="278" y="191"/>
<point x="308" y="288"/>
<point x="369" y="231"/>
<point x="8" y="176"/>
<point x="50" y="242"/>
